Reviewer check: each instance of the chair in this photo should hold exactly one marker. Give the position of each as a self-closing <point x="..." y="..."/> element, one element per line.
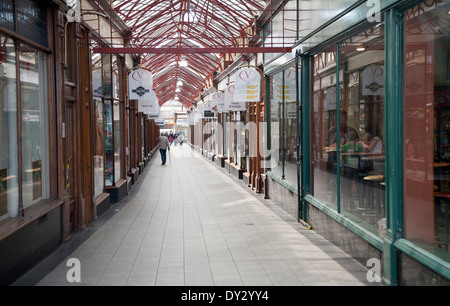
<point x="373" y="180"/>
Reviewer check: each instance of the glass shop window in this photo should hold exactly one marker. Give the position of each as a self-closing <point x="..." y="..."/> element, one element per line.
<point x="427" y="126"/>
<point x="33" y="92"/>
<point x="284" y="122"/>
<point x="9" y="176"/>
<point x="276" y="104"/>
<point x="323" y="122"/>
<point x="362" y="165"/>
<point x="117" y="140"/>
<point x="109" y="143"/>
<point x="34" y="138"/>
<point x="99" y="174"/>
<point x="358" y="141"/>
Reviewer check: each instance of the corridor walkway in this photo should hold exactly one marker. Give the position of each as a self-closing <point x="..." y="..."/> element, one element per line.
<point x="189" y="223"/>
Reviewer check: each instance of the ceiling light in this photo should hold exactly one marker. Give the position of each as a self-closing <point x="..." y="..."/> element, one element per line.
<point x="189" y="15"/>
<point x="183" y="63"/>
<point x="179" y="83"/>
<point x="360" y="48"/>
<point x="177" y="90"/>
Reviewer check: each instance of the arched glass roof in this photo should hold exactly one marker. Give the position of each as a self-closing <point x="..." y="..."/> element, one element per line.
<point x="186" y="24"/>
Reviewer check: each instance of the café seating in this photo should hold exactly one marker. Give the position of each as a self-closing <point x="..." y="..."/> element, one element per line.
<point x="373" y="180"/>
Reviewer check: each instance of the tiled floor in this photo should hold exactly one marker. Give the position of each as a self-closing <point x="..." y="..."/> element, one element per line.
<point x="188" y="223"/>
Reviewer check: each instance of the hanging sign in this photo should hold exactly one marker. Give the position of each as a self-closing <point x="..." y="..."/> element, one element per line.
<point x="190" y="119"/>
<point x="290" y="86"/>
<point x="218" y="101"/>
<point x="229" y="103"/>
<point x="140" y="83"/>
<point x="291" y="110"/>
<point x="160" y="121"/>
<point x="373" y="81"/>
<point x="156" y="112"/>
<point x="208" y="112"/>
<point x="248" y="85"/>
<point x="149" y="106"/>
<point x="197" y="117"/>
<point x="182" y="122"/>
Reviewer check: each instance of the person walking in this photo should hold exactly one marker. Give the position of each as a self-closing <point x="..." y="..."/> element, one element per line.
<point x="163" y="147"/>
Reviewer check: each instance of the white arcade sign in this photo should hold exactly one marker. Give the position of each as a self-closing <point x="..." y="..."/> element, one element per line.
<point x="248" y="85"/>
<point x="140" y="83"/>
<point x="230" y="104"/>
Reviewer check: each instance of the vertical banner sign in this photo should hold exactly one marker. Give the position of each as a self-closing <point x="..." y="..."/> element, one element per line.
<point x="248" y="85"/>
<point x="218" y="100"/>
<point x="373" y="81"/>
<point x="140" y="83"/>
<point x="230" y="104"/>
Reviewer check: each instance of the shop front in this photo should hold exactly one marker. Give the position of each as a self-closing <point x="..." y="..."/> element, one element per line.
<point x="373" y="103"/>
<point x="30" y="203"/>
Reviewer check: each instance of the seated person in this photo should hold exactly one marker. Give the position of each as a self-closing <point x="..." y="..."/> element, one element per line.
<point x="351" y="146"/>
<point x="371" y="143"/>
<point x="344" y="131"/>
<point x="331" y="140"/>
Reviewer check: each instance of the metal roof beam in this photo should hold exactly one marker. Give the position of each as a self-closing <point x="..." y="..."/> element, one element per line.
<point x="193" y="50"/>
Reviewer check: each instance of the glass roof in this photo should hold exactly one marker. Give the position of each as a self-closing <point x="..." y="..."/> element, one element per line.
<point x="186" y="24"/>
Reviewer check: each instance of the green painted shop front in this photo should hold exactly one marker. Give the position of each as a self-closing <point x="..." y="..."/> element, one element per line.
<point x="371" y="166"/>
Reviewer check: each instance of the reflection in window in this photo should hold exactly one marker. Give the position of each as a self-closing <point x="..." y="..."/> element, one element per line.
<point x="323" y="127"/>
<point x="117" y="142"/>
<point x="358" y="141"/>
<point x="106" y="79"/>
<point x="362" y="128"/>
<point x="427" y="126"/>
<point x="129" y="140"/>
<point x="275" y="125"/>
<point x="115" y="78"/>
<point x="109" y="149"/>
<point x="143" y="135"/>
<point x="99" y="175"/>
<point x="9" y="191"/>
<point x="34" y="125"/>
<point x="284" y="118"/>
